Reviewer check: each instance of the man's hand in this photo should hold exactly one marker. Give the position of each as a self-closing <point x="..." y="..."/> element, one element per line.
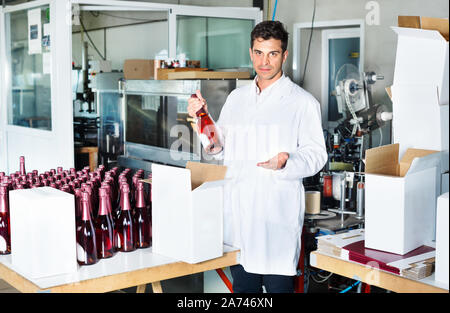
<point x="276" y="163"/>
<point x="195" y="104"/>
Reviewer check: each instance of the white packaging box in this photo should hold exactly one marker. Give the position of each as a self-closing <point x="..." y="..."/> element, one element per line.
<point x="422" y="57"/>
<point x="419" y="121"/>
<point x="420" y="91"/>
<point x="187" y="211"/>
<point x="442" y="236"/>
<point x="43" y="238"/>
<point x="400" y="200"/>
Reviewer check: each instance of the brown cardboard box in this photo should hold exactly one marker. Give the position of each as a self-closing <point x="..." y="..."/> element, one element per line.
<point x="139" y="69"/>
<point x="151" y="69"/>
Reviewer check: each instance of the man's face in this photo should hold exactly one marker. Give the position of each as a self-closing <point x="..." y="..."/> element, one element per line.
<point x="267" y="57"/>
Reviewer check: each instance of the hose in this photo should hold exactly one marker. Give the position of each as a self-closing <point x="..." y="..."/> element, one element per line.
<point x="350" y="287"/>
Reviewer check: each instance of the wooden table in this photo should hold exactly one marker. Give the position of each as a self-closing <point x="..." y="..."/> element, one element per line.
<point x="150" y="268"/>
<point x="375" y="277"/>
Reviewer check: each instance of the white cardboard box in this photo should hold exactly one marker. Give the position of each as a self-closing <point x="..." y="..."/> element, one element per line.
<point x="43" y="238"/>
<point x="400" y="200"/>
<point x="187" y="211"/>
<point x="442" y="236"/>
<point x="420" y="91"/>
<point x="419" y="121"/>
<point x="422" y="57"/>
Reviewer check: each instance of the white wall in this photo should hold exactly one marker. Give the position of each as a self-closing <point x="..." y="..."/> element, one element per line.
<point x="381" y="41"/>
<point x="146" y="40"/>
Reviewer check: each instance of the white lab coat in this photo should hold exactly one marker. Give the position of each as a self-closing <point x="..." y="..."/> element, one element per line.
<point x="264" y="209"/>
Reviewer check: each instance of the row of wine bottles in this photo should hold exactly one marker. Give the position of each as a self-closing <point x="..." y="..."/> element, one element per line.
<point x="112" y="212"/>
<point x="123" y="226"/>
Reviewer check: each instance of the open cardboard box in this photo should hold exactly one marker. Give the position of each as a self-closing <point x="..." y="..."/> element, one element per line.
<point x="420" y="92"/>
<point x="422" y="54"/>
<point x="400" y="199"/>
<point x="187" y="211"/>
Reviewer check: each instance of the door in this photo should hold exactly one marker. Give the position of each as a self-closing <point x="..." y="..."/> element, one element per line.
<point x="36" y="100"/>
<point x="341" y="51"/>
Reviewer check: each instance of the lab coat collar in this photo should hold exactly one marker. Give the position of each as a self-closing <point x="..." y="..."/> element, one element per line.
<point x="278" y="90"/>
<point x="268" y="89"/>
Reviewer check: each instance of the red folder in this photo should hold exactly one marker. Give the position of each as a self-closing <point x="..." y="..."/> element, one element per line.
<point x="359" y="253"/>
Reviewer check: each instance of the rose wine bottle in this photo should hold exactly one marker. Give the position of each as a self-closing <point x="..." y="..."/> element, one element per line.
<point x="104" y="231"/>
<point x="5" y="230"/>
<point x="141" y="218"/>
<point x="207" y="131"/>
<point x="22" y="165"/>
<point x="86" y="239"/>
<point x="125" y="237"/>
<point x="107" y="186"/>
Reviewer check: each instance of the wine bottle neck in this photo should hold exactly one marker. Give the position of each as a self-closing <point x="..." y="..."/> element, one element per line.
<point x="140" y="199"/>
<point x="85" y="213"/>
<point x="4" y="208"/>
<point x="201" y="112"/>
<point x="125" y="201"/>
<point x="103" y="206"/>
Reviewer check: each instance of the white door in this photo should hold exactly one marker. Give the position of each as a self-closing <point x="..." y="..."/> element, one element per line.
<point x="36" y="97"/>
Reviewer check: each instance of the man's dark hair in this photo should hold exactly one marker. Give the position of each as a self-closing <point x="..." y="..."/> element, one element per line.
<point x="270" y="29"/>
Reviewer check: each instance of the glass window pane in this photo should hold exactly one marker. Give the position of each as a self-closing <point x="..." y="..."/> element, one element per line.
<point x="29" y="59"/>
<point x="219" y="43"/>
<point x="154" y="119"/>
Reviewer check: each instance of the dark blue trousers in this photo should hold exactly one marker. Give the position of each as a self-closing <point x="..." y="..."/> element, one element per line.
<point x="244" y="282"/>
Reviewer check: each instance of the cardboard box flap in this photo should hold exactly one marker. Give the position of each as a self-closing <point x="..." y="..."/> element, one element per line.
<point x="202" y="172"/>
<point x="409" y="21"/>
<point x="177" y="179"/>
<point x="419" y="33"/>
<point x="383" y="160"/>
<point x="439" y="24"/>
<point x="416" y="160"/>
<point x="428" y="23"/>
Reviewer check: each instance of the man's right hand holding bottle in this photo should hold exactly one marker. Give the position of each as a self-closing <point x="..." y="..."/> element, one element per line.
<point x="195" y="104"/>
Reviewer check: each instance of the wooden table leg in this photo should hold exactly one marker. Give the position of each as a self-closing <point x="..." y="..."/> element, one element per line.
<point x="157" y="287"/>
<point x="141" y="288"/>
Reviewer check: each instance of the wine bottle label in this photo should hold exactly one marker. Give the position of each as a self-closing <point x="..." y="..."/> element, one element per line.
<point x="3" y="245"/>
<point x="81" y="254"/>
<point x="204" y="140"/>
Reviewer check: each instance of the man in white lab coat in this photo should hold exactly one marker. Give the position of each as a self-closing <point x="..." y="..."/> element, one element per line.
<point x="272" y="139"/>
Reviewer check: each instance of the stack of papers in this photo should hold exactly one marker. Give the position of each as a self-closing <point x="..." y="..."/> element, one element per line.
<point x="420" y="269"/>
<point x="349" y="246"/>
<point x="333" y="244"/>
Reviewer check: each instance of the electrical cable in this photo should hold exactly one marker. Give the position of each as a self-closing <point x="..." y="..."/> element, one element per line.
<point x="350" y="287"/>
<point x="309" y="44"/>
<point x="124" y="17"/>
<point x="274" y="10"/>
<point x="92" y="42"/>
<point x="324" y="279"/>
